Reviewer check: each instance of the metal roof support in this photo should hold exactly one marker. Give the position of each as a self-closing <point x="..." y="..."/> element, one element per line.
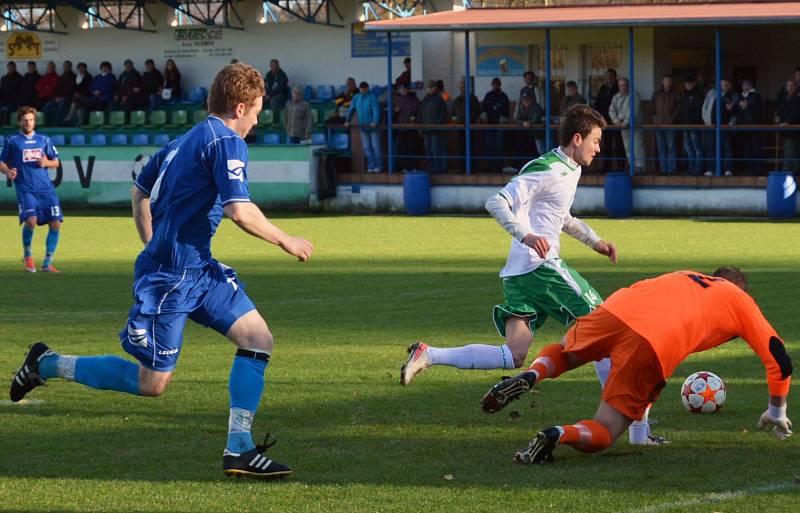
<point x="112" y="18"/>
<point x="32" y="24"/>
<point x="226" y="8"/>
<point x="310" y="13"/>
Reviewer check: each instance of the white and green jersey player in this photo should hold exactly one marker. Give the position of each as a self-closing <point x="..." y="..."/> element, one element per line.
<point x="534" y="208"/>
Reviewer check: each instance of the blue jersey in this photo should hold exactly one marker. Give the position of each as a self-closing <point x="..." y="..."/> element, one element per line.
<point x="23" y="152"/>
<point x="189" y="181"/>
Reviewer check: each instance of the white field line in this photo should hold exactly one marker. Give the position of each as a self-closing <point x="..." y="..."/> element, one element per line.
<point x="713" y="498"/>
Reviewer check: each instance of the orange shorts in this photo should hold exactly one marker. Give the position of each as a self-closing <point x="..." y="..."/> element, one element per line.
<point x="636" y="378"/>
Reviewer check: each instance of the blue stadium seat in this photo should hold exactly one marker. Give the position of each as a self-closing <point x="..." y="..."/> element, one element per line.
<point x="308" y="93"/>
<point x="99" y="140"/>
<point x="139" y="140"/>
<point x="272" y="138"/>
<point x="325" y="93"/>
<point x="57" y="140"/>
<point x="198" y="94"/>
<point x="341" y="141"/>
<point x="319" y="138"/>
<point x="119" y="140"/>
<point x="77" y="140"/>
<point x="161" y="139"/>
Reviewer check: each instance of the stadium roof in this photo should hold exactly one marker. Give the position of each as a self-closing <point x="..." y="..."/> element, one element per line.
<point x="750" y="13"/>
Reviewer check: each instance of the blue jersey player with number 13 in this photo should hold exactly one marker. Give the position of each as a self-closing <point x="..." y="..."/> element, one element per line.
<point x="25" y="158"/>
<point x="178" y="202"/>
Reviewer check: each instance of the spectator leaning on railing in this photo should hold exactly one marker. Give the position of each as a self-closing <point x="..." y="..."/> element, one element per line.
<point x="532" y="86"/>
<point x="788" y="113"/>
<point x="611" y="143"/>
<point x="495" y="107"/>
<point x="750" y="112"/>
<point x="299" y="121"/>
<point x="666" y="104"/>
<point x="729" y="99"/>
<point x="459" y="107"/>
<point x="433" y="111"/>
<point x="691" y="113"/>
<point x="365" y="104"/>
<point x="406" y="111"/>
<point x="619" y="112"/>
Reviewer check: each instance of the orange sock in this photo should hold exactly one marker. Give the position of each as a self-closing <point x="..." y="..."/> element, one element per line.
<point x="586" y="436"/>
<point x="551" y="362"/>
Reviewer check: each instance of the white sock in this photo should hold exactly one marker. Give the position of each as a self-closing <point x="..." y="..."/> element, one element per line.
<point x="639" y="430"/>
<point x="602" y="368"/>
<point x="473" y="356"/>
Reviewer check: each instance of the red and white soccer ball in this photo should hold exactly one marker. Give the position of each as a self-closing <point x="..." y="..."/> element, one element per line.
<point x="703" y="392"/>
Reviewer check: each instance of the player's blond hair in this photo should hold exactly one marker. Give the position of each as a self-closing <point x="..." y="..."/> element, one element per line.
<point x="25" y="110"/>
<point x="234" y="84"/>
<point x="579" y="119"/>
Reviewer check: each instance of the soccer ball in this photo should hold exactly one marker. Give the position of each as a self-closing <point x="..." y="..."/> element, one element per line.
<point x="703" y="392"/>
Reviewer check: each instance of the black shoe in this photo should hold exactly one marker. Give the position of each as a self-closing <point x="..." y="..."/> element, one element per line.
<point x="540" y="450"/>
<point x="253" y="463"/>
<point x="27" y="377"/>
<point x="508" y="390"/>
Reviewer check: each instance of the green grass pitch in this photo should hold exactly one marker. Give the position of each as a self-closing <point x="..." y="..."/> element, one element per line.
<point x="358" y="441"/>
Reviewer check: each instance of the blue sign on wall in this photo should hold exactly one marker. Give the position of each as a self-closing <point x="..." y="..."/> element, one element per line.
<point x="500" y="61"/>
<point x="374" y="44"/>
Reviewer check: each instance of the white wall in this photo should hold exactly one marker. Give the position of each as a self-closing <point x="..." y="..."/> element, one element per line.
<point x="310" y="54"/>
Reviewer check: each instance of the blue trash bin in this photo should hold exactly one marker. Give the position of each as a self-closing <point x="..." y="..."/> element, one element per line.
<point x="417" y="193"/>
<point x="781" y="195"/>
<point x="619" y="194"/>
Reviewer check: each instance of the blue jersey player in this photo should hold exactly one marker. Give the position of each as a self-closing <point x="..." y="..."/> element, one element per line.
<point x="25" y="159"/>
<point x="178" y="202"/>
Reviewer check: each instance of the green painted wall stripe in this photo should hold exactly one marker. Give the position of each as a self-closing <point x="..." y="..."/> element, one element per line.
<point x="292" y="152"/>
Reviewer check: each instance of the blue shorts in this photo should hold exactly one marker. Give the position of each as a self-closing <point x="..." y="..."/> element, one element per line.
<point x="44" y="205"/>
<point x="211" y="296"/>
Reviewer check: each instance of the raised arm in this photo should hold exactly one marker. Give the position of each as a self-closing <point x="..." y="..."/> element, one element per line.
<point x="249" y="218"/>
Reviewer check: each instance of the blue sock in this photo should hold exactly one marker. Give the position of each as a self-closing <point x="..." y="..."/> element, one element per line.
<point x="108" y="373"/>
<point x="27" y="239"/>
<point x="245" y="385"/>
<point x="51" y="244"/>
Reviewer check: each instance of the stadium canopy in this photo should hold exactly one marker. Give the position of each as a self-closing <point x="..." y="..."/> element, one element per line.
<point x="713" y="15"/>
<point x="750" y="13"/>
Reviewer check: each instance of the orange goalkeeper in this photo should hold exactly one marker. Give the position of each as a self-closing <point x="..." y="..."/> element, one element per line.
<point x="647" y="330"/>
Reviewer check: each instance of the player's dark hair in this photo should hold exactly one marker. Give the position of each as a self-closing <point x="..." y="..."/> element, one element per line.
<point x="579" y="119"/>
<point x="363" y="85"/>
<point x="235" y="84"/>
<point x="68" y="62"/>
<point x="611" y="70"/>
<point x="531" y="73"/>
<point x="24" y="110"/>
<point x="106" y="64"/>
<point x="572" y="83"/>
<point x="733" y="275"/>
<point x="82" y="65"/>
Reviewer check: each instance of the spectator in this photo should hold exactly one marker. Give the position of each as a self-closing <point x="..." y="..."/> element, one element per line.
<point x="10" y="87"/>
<point x="406" y="111"/>
<point x="572" y="97"/>
<point x="172" y="82"/>
<point x="729" y="102"/>
<point x="444" y="94"/>
<point x="666" y="104"/>
<point x="702" y="82"/>
<point x="611" y="143"/>
<point x="57" y="107"/>
<point x="405" y="76"/>
<point x="750" y="112"/>
<point x="102" y="88"/>
<point x="789" y="114"/>
<point x="532" y="87"/>
<point x="619" y="112"/>
<point x="342" y="102"/>
<point x="495" y="108"/>
<point x="277" y="86"/>
<point x="459" y="107"/>
<point x="782" y="92"/>
<point x="130" y="92"/>
<point x="152" y="84"/>
<point x="365" y="104"/>
<point x="29" y="81"/>
<point x="46" y="86"/>
<point x="691" y="113"/>
<point x="528" y="113"/>
<point x="709" y="136"/>
<point x="299" y="120"/>
<point x="81" y="95"/>
<point x="433" y="111"/>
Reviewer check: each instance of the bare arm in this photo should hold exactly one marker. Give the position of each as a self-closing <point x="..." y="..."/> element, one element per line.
<point x="140" y="203"/>
<point x="8" y="171"/>
<point x="249" y="218"/>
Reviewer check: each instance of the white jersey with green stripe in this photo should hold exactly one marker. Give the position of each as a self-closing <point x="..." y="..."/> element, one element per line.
<point x="540" y="196"/>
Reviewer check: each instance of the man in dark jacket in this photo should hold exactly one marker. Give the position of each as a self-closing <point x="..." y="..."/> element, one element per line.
<point x="459" y="114"/>
<point x="29" y="81"/>
<point x="729" y="99"/>
<point x="152" y="82"/>
<point x="10" y="87"/>
<point x="277" y="84"/>
<point x="750" y="110"/>
<point x="406" y="111"/>
<point x="691" y="113"/>
<point x="789" y="114"/>
<point x="57" y="108"/>
<point x="611" y="143"/>
<point x="495" y="108"/>
<point x="433" y="111"/>
<point x="130" y="92"/>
